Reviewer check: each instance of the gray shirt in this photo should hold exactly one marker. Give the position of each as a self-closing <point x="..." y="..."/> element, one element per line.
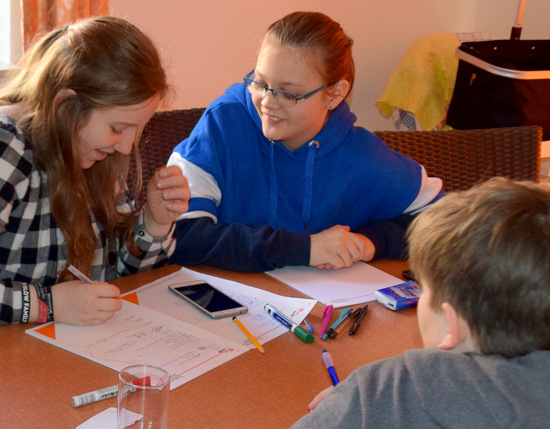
<point x="431" y="388"/>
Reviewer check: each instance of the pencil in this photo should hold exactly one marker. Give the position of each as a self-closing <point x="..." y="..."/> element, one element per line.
<point x="248" y="334"/>
<point x="79" y="274"/>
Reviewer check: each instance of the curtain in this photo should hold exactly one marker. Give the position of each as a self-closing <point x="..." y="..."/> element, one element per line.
<point x="41" y="16"/>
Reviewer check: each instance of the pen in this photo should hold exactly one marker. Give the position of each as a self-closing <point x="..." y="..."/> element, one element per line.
<point x="327" y="358"/>
<point x="337" y="323"/>
<point x="96" y="395"/>
<point x="308" y="326"/>
<point x="79" y="274"/>
<point x="248" y="334"/>
<point x="306" y="322"/>
<point x="349" y="316"/>
<point x="326" y="319"/>
<point x="357" y="321"/>
<point x="289" y="323"/>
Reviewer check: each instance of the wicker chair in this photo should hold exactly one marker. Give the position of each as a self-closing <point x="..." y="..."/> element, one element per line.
<point x="462" y="158"/>
<point x="163" y="131"/>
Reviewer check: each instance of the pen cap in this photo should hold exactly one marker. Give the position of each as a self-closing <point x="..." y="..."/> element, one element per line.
<point x="304" y="335"/>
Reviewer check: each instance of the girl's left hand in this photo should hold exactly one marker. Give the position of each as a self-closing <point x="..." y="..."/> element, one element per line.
<point x="167" y="198"/>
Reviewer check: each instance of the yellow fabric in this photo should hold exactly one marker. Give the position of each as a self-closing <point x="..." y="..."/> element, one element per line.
<point x="424" y="80"/>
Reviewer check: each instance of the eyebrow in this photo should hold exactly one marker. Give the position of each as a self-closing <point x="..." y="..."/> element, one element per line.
<point x="282" y="83"/>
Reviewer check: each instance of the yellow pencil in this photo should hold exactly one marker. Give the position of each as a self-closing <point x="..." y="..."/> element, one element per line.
<point x="248" y="334"/>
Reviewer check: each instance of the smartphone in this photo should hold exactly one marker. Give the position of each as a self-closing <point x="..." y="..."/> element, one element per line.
<point x="208" y="299"/>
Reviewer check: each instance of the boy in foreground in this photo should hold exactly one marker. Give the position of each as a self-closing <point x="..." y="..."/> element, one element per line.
<point x="482" y="257"/>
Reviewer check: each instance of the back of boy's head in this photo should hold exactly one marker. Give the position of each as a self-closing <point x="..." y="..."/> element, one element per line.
<point x="487" y="252"/>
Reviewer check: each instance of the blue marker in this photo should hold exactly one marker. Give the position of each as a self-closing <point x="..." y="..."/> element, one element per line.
<point x="288" y="323"/>
<point x="330" y="367"/>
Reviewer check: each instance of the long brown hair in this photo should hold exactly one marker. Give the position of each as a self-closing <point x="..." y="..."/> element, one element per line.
<point x="105" y="62"/>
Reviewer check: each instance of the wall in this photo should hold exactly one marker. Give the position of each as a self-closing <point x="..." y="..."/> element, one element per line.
<point x="208" y="44"/>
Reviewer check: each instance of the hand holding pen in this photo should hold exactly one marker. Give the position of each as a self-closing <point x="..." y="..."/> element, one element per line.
<point x="84" y="302"/>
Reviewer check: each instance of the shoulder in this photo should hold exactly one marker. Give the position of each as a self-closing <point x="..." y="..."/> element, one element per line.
<point x="15" y="152"/>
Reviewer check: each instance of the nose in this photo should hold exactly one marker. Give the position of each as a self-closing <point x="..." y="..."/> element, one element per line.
<point x="268" y="100"/>
<point x="126" y="143"/>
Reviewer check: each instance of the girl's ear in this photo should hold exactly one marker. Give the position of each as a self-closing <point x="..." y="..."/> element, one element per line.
<point x="337" y="93"/>
<point x="459" y="336"/>
<point x="62" y="95"/>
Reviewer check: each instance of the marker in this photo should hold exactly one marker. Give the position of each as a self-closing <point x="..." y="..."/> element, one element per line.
<point x="79" y="274"/>
<point x="357" y="321"/>
<point x="327" y="358"/>
<point x="96" y="395"/>
<point x="326" y="319"/>
<point x="248" y="334"/>
<point x="337" y="323"/>
<point x="288" y="323"/>
<point x="106" y="392"/>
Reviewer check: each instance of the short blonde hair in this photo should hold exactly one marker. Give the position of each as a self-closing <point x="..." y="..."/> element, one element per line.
<point x="487" y="252"/>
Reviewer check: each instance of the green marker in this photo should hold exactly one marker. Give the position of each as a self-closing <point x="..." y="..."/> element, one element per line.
<point x="287" y="322"/>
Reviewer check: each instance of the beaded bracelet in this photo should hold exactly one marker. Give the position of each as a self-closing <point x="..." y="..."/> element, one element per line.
<point x="45" y="303"/>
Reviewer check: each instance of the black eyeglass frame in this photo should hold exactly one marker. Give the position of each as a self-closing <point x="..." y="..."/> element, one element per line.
<point x="248" y="80"/>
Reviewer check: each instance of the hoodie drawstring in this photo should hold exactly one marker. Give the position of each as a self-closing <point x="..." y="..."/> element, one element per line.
<point x="272" y="188"/>
<point x="308" y="185"/>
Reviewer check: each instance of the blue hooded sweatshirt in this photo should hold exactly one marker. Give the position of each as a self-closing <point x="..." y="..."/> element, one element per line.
<point x="254" y="203"/>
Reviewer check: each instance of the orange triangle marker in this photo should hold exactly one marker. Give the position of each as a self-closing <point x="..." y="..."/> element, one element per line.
<point x="47" y="331"/>
<point x="132" y="297"/>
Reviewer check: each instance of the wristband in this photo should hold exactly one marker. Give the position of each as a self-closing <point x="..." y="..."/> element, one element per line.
<point x="26" y="309"/>
<point x="45" y="303"/>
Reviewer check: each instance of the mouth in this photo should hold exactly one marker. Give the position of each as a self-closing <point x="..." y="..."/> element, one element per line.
<point x="272" y="119"/>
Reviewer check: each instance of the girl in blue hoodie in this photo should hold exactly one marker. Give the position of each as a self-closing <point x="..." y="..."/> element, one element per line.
<point x="278" y="173"/>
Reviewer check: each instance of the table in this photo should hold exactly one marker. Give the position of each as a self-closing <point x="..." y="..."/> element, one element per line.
<point x="254" y="390"/>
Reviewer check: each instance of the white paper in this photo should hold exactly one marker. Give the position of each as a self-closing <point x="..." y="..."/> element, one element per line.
<point x="340" y="288"/>
<point x="163" y="330"/>
<point x="157" y="296"/>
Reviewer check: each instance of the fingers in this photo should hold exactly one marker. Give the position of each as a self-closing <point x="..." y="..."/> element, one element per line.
<point x="320" y="396"/>
<point x="168" y="195"/>
<point x="337" y="247"/>
<point x="80" y="303"/>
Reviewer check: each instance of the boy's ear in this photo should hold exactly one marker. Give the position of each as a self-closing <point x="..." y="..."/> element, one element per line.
<point x="458" y="331"/>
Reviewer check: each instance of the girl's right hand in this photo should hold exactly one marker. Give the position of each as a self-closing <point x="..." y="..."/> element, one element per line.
<point x="79" y="303"/>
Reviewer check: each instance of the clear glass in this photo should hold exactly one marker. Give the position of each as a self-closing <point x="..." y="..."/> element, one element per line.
<point x="143" y="397"/>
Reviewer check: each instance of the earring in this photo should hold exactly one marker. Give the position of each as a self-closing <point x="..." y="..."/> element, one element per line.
<point x="329" y="107"/>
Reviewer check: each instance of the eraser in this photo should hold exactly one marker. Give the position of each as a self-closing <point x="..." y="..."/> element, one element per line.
<point x="399" y="296"/>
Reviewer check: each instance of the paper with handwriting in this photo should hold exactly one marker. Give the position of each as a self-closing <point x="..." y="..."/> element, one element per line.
<point x="157" y="327"/>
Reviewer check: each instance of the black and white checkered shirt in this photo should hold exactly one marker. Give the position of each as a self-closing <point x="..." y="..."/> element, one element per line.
<point x="32" y="247"/>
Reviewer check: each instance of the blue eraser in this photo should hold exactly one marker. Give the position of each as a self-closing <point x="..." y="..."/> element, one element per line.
<point x="399" y="296"/>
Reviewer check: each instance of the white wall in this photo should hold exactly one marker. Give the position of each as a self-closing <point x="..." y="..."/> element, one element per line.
<point x="207" y="45"/>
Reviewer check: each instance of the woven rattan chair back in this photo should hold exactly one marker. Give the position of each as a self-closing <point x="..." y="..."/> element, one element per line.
<point x="463" y="158"/>
<point x="158" y="138"/>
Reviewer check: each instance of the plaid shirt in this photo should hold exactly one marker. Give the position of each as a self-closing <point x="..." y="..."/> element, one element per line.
<point x="33" y="248"/>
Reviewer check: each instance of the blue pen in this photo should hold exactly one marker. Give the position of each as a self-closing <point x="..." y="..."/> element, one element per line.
<point x="327" y="358"/>
<point x="306" y="322"/>
<point x="336" y="324"/>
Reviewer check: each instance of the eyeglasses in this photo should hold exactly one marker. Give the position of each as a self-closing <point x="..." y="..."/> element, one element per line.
<point x="285" y="98"/>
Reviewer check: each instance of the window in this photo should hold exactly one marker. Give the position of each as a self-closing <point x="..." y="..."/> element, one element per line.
<point x="10" y="33"/>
